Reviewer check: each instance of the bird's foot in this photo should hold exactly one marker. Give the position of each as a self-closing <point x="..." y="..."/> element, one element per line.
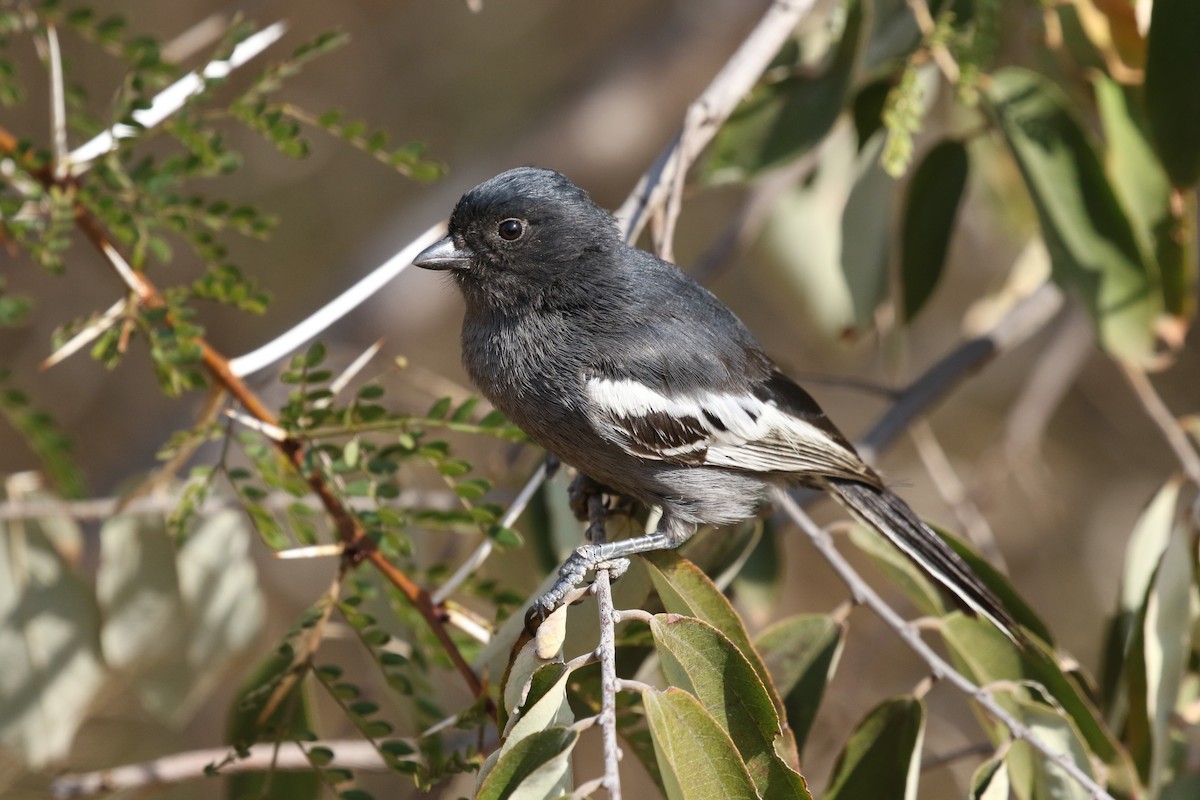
<point x="585" y="558"/>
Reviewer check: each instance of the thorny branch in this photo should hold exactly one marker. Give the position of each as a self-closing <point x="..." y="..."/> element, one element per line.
<point x="358" y="546"/>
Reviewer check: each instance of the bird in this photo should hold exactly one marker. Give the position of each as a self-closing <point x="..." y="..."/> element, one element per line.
<point x="628" y="370"/>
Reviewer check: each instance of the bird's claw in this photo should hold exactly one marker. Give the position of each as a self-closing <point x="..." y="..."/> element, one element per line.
<point x="570" y="575"/>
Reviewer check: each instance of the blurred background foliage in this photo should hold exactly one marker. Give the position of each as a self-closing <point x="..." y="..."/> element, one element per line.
<point x="899" y="177"/>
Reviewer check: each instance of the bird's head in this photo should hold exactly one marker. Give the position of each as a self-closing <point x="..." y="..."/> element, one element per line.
<point x="520" y="232"/>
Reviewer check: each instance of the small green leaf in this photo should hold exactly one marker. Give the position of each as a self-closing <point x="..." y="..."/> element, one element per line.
<point x="930" y="211"/>
<point x="882" y="759"/>
<point x="439" y="409"/>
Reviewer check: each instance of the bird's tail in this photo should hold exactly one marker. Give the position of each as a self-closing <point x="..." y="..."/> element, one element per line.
<point x="892" y="517"/>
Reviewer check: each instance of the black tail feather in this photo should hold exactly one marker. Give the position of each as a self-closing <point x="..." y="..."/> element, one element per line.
<point x="892" y="517"/>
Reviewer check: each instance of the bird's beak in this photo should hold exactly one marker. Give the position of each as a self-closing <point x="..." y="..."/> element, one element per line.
<point x="444" y="255"/>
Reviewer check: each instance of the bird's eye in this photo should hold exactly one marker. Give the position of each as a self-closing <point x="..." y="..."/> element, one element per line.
<point x="511" y="229"/>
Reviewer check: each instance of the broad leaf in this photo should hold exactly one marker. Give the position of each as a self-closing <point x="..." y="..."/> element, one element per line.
<point x="801" y="653"/>
<point x="685" y="590"/>
<point x="986" y="656"/>
<point x="1035" y="777"/>
<point x="1166" y="232"/>
<point x="1158" y="658"/>
<point x="49" y="645"/>
<point x="699" y="658"/>
<point x="882" y="759"/>
<point x="1093" y="249"/>
<point x="223" y="613"/>
<point x="990" y="781"/>
<point x="788" y="112"/>
<point x="1143" y="553"/>
<point x="696" y="757"/>
<point x="536" y="768"/>
<point x="138" y="589"/>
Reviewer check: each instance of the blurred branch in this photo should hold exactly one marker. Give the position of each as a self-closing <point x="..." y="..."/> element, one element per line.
<point x="1158" y="412"/>
<point x="1026" y="318"/>
<point x="942" y="669"/>
<point x="99" y="508"/>
<point x="706" y="114"/>
<point x="174" y="97"/>
<point x="179" y="767"/>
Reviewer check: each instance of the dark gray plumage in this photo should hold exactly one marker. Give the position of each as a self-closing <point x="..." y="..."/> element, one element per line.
<point x="641" y="379"/>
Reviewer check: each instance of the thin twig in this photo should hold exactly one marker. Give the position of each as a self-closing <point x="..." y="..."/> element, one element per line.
<point x="1158" y="412"/>
<point x="313" y="325"/>
<point x="942" y="669"/>
<point x="476" y="559"/>
<point x="706" y="114"/>
<point x="1026" y="318"/>
<point x="58" y="104"/>
<point x="941" y="54"/>
<point x="179" y="767"/>
<point x="174" y="97"/>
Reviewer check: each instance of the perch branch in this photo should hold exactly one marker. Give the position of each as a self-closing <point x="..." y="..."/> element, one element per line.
<point x="1158" y="412"/>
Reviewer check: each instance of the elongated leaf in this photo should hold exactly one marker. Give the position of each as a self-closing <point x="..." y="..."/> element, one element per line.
<point x="1172" y="102"/>
<point x="1093" y="249"/>
<point x="1143" y="553"/>
<point x="1035" y="777"/>
<point x="1166" y="232"/>
<point x="986" y="656"/>
<point x="699" y="658"/>
<point x="1000" y="586"/>
<point x="882" y="759"/>
<point x="900" y="570"/>
<point x="685" y="590"/>
<point x="49" y="646"/>
<point x="696" y="757"/>
<point x="536" y="767"/>
<point x="1158" y="658"/>
<point x="801" y="653"/>
<point x="930" y="211"/>
<point x="788" y="112"/>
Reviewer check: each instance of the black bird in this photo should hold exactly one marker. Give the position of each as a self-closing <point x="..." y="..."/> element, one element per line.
<point x="633" y="373"/>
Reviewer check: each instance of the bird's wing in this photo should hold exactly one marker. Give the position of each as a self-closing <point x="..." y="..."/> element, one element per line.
<point x="773" y="428"/>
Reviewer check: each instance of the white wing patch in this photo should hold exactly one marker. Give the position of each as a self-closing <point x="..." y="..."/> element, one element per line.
<point x="739" y="432"/>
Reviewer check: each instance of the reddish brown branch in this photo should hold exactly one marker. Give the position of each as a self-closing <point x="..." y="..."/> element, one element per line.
<point x="359" y="547"/>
